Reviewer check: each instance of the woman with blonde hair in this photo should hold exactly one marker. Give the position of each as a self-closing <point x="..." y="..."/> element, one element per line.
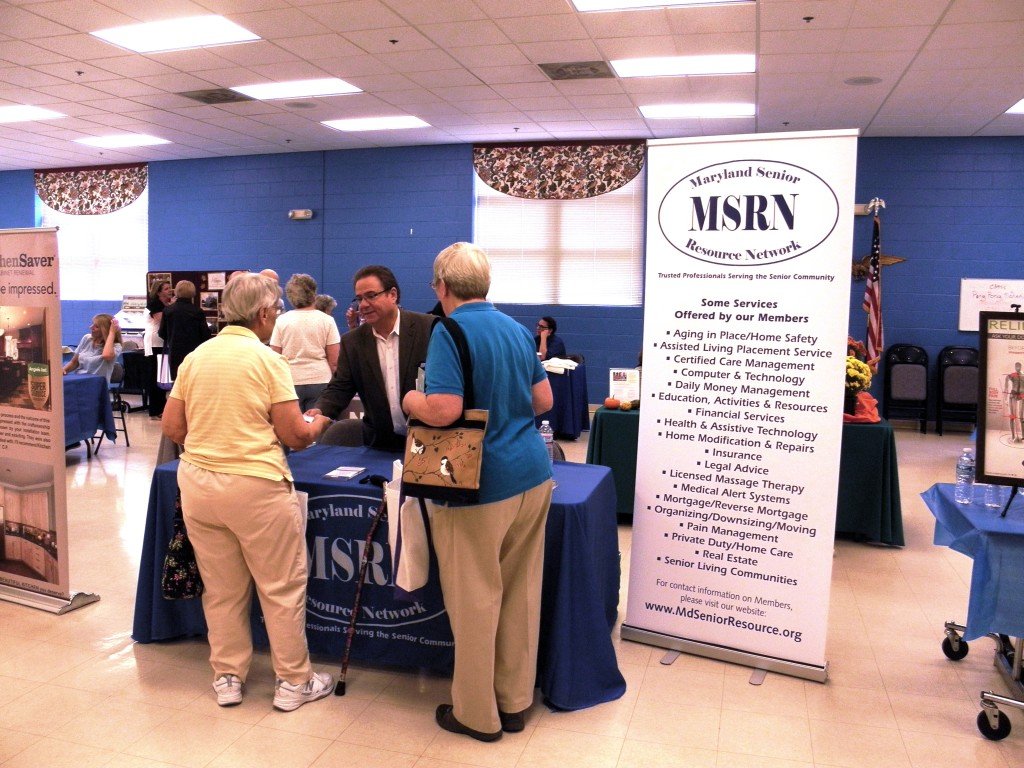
<point x="308" y="339"/>
<point x="232" y="406"/>
<point x="490" y="555"/>
<point x="98" y="350"/>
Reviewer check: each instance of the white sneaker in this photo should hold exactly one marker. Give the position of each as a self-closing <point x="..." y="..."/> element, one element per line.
<point x="228" y="689"/>
<point x="288" y="697"/>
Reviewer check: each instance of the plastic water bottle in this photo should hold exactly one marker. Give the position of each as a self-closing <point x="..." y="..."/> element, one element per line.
<point x="549" y="439"/>
<point x="994" y="496"/>
<point x="964" y="493"/>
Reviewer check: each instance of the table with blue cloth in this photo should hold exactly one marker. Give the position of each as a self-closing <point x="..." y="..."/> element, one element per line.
<point x="576" y="662"/>
<point x="570" y="411"/>
<point x="87" y="408"/>
<point x="996" y="545"/>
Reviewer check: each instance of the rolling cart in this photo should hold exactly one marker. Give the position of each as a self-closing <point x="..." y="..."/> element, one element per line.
<point x="996" y="604"/>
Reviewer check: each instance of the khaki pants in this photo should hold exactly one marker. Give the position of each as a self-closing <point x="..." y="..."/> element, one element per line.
<point x="244" y="530"/>
<point x="491" y="560"/>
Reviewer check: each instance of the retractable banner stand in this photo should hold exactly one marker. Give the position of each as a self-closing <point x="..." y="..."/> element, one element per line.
<point x="33" y="494"/>
<point x="749" y="241"/>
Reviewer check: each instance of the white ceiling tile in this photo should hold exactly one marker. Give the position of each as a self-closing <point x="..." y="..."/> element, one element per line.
<point x="489" y="56"/>
<point x="530" y="73"/>
<point x="574" y="50"/>
<point x="651" y="22"/>
<point x="636" y="48"/>
<point x="246" y="54"/>
<point x="280" y="22"/>
<point x="527" y="90"/>
<point x="711" y="19"/>
<point x="800" y="41"/>
<point x="465" y="33"/>
<point x="314" y="47"/>
<point x="351" y="16"/>
<point x="389" y="40"/>
<point x="421" y="13"/>
<point x="442" y="78"/>
<point x="133" y="66"/>
<point x="543" y="28"/>
<point x="27" y="55"/>
<point x="419" y="61"/>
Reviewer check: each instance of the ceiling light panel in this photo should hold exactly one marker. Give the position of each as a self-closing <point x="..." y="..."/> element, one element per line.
<point x="377" y="123"/>
<point x="19" y="113"/>
<point x="177" y="34"/>
<point x="120" y="141"/>
<point x="297" y="89"/>
<point x="585" y="6"/>
<point x="681" y="66"/>
<point x="677" y="111"/>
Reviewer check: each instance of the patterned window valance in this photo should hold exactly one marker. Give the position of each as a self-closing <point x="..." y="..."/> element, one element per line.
<point x="92" y="191"/>
<point x="558" y="171"/>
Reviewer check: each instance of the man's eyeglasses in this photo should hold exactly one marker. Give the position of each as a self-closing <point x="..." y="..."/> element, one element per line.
<point x="368" y="296"/>
<point x="541" y="327"/>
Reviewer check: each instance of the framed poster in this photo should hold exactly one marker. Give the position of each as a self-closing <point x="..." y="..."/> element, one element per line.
<point x="978" y="295"/>
<point x="1001" y="399"/>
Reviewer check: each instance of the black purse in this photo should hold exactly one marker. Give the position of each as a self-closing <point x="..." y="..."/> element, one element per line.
<point x="180" y="579"/>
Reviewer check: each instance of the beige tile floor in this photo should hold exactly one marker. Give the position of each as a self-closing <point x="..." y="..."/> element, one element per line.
<point x="76" y="691"/>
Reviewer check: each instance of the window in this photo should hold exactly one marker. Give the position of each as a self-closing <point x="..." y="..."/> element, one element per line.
<point x="103" y="235"/>
<point x="587" y="251"/>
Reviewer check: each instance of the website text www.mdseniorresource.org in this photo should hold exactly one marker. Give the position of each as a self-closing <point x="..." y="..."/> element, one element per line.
<point x="728" y="621"/>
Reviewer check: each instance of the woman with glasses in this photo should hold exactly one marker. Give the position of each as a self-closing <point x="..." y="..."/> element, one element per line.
<point x="547" y="343"/>
<point x="490" y="555"/>
<point x="232" y="406"/>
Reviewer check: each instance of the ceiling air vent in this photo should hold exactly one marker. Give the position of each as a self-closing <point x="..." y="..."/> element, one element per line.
<point x="216" y="96"/>
<point x="577" y="70"/>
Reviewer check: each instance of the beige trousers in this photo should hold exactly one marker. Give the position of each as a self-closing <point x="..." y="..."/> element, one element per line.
<point x="244" y="530"/>
<point x="491" y="560"/>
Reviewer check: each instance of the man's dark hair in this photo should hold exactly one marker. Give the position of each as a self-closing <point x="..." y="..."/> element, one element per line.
<point x="550" y="322"/>
<point x="385" y="275"/>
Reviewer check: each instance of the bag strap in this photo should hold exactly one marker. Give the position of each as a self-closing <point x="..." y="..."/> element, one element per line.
<point x="459" y="337"/>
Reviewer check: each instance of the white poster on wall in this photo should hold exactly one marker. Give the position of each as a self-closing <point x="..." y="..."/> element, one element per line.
<point x="749" y="240"/>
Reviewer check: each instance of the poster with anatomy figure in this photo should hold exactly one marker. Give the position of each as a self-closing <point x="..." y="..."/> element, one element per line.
<point x="745" y="326"/>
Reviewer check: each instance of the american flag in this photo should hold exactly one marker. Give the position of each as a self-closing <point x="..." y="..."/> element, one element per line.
<point x="873" y="298"/>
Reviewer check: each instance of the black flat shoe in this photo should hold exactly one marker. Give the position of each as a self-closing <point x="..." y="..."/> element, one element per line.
<point x="446" y="719"/>
<point x="512" y="722"/>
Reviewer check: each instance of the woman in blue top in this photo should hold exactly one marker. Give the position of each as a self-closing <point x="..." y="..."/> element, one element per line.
<point x="491" y="554"/>
<point x="98" y="349"/>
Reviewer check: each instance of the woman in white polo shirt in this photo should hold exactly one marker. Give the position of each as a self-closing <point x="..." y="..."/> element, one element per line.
<point x="232" y="406"/>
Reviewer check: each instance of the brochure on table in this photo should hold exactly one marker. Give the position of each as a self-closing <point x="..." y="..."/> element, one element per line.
<point x="745" y="324"/>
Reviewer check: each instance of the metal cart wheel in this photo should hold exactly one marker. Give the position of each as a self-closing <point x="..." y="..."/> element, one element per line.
<point x="993" y="724"/>
<point x="955" y="648"/>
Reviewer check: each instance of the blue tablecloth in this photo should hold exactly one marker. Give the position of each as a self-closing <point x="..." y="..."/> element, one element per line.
<point x="576" y="665"/>
<point x="570" y="413"/>
<point x="997" y="547"/>
<point x="86" y="408"/>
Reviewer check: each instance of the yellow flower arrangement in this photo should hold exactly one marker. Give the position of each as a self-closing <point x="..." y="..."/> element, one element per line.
<point x="858" y="375"/>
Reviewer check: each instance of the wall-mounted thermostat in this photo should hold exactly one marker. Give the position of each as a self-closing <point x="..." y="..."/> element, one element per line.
<point x="300" y="213"/>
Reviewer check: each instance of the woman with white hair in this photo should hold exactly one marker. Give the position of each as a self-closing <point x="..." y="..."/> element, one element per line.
<point x="308" y="339"/>
<point x="232" y="406"/>
<point x="490" y="555"/>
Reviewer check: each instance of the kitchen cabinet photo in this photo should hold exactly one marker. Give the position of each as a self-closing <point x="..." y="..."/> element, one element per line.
<point x="28" y="537"/>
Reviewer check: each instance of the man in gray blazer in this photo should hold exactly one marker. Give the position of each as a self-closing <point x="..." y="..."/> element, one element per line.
<point x="379" y="360"/>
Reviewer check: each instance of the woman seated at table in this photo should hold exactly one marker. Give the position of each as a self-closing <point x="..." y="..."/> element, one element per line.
<point x="490" y="555"/>
<point x="547" y="343"/>
<point x="237" y="493"/>
<point x="98" y="350"/>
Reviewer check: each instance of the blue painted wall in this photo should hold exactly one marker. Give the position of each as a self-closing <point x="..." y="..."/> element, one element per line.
<point x="955" y="209"/>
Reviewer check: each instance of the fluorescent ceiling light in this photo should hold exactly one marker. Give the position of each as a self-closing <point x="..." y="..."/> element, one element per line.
<point x="121" y="140"/>
<point x="670" y="111"/>
<point x="20" y="113"/>
<point x="1016" y="109"/>
<point x="298" y="89"/>
<point x="177" y="34"/>
<point x="675" y="66"/>
<point x="630" y="5"/>
<point x="376" y="123"/>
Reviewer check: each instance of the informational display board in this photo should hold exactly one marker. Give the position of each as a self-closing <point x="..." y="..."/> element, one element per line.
<point x="33" y="494"/>
<point x="209" y="286"/>
<point x="1000" y="438"/>
<point x="987" y="296"/>
<point x="745" y="325"/>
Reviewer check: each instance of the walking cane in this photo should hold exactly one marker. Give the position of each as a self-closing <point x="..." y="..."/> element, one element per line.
<point x="350" y="633"/>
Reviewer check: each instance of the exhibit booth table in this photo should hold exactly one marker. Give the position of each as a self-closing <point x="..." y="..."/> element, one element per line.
<point x="613" y="440"/>
<point x="570" y="412"/>
<point x="87" y="408"/>
<point x="996" y="601"/>
<point x="576" y="662"/>
<point x="868" y="506"/>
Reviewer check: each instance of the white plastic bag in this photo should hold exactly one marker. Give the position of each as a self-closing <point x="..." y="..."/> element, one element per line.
<point x="407" y="538"/>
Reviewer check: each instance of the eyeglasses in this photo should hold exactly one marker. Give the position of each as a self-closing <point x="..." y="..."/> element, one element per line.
<point x="368" y="296"/>
<point x="543" y="327"/>
<point x="274" y="310"/>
